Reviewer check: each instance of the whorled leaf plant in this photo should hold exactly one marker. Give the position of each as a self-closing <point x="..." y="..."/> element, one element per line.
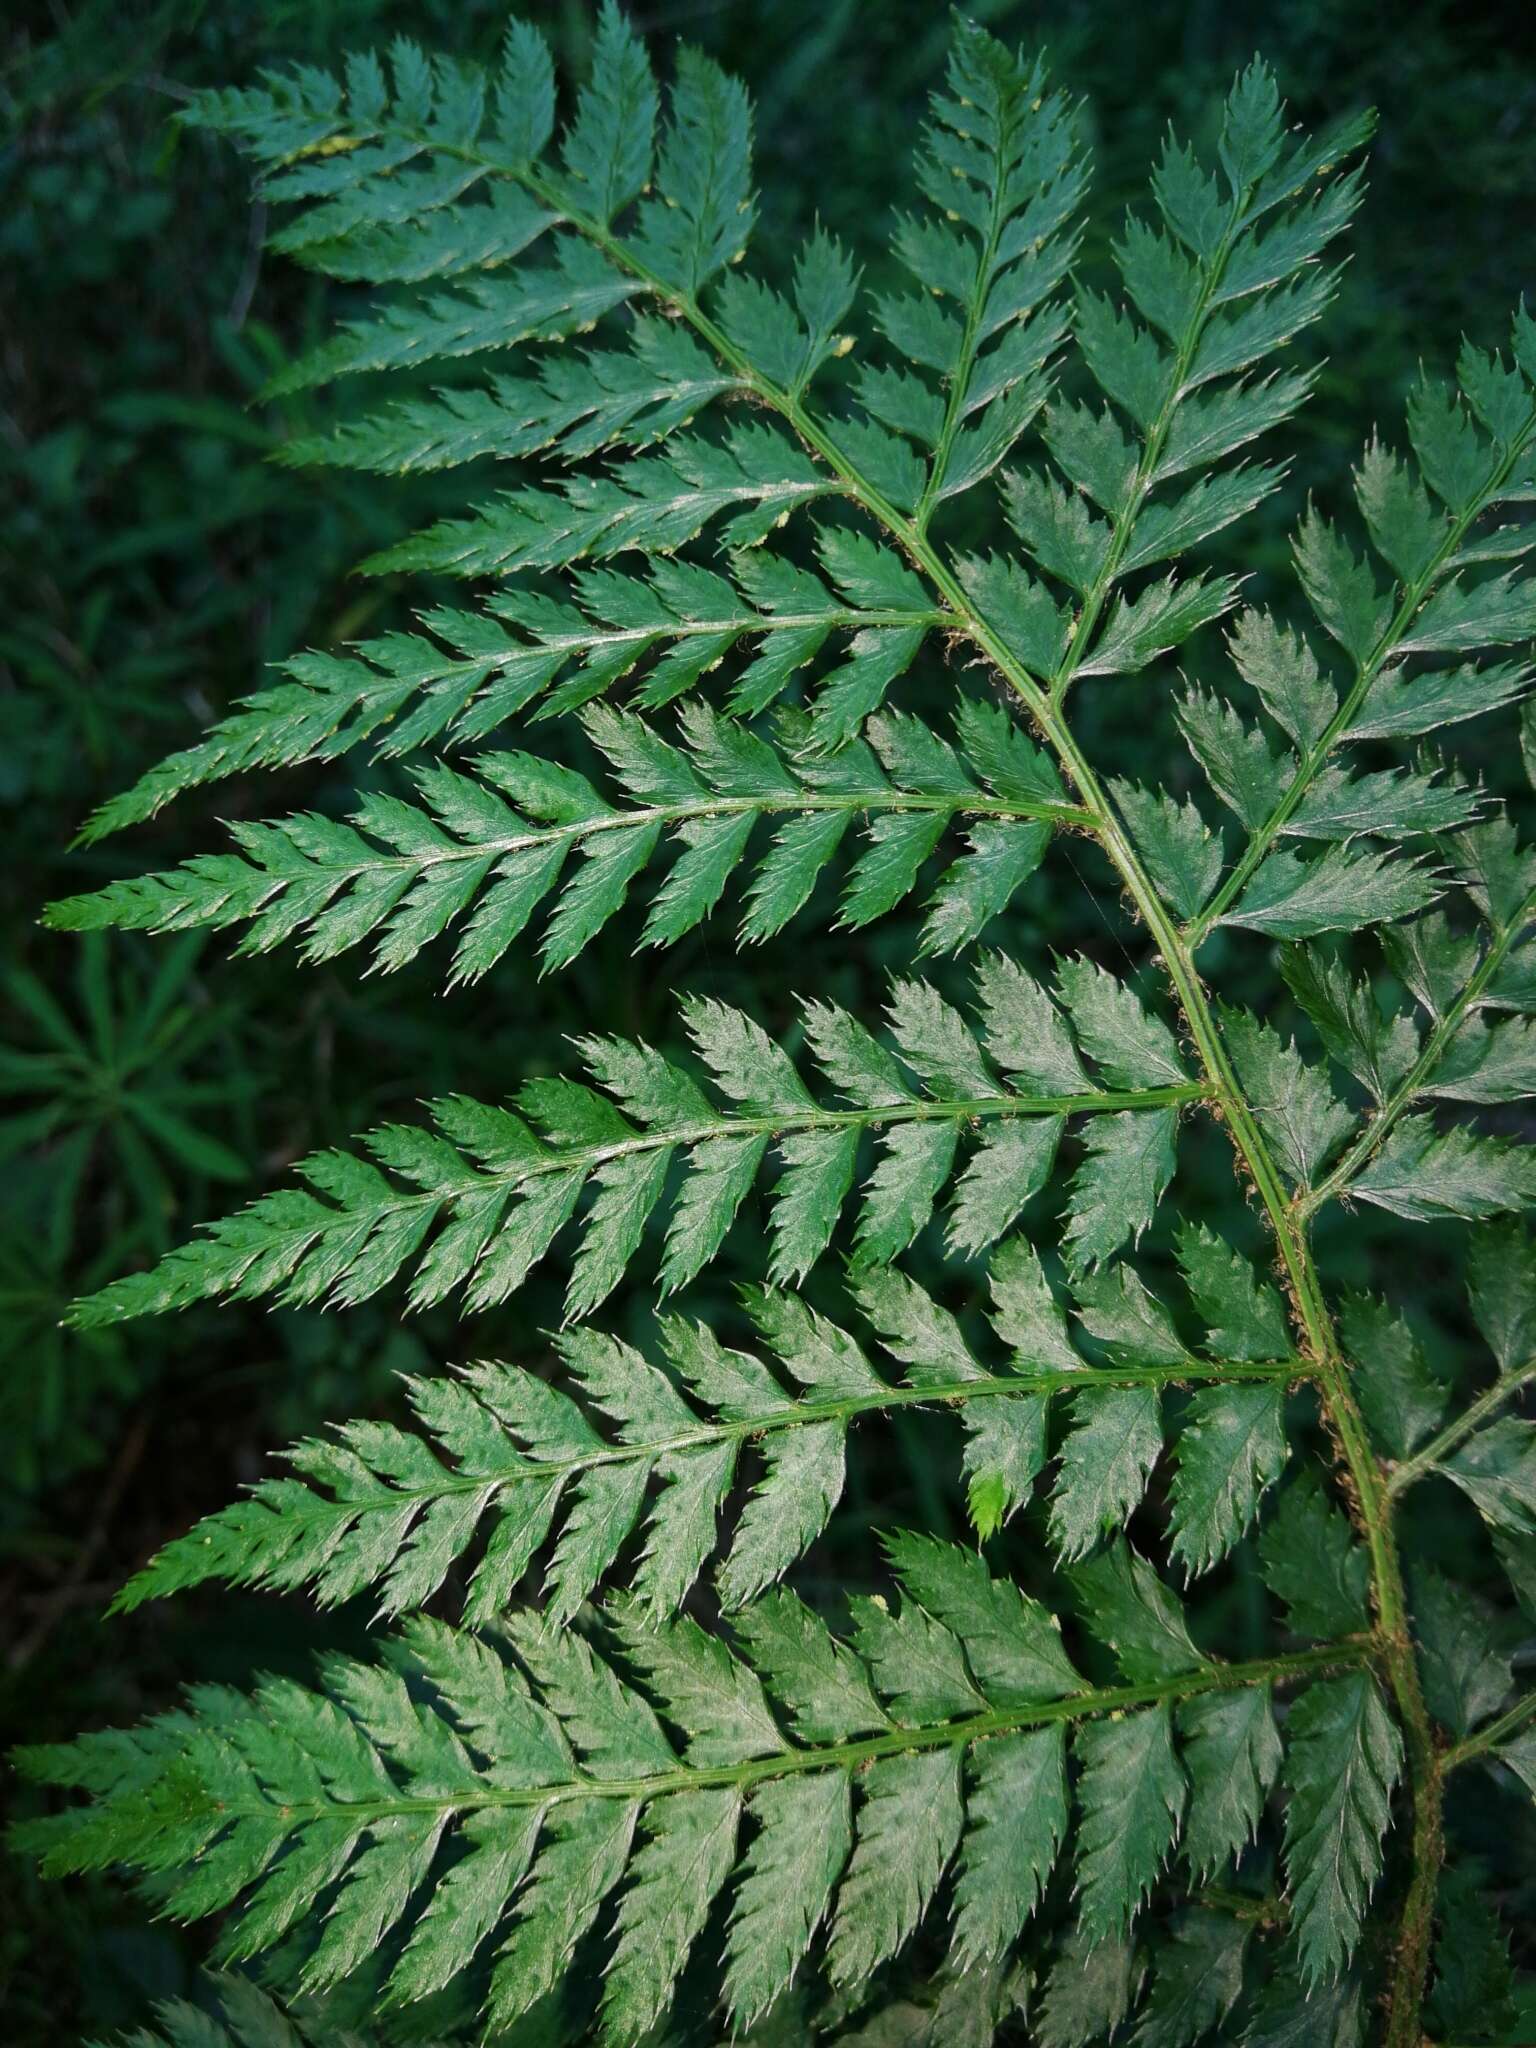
<point x="726" y="537"/>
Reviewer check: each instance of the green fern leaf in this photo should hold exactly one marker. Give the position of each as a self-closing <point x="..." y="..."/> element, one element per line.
<point x="1132" y="1794"/>
<point x="1313" y="1565"/>
<point x="1017" y="1800"/>
<point x="1089" y="1993"/>
<point x="468" y="856"/>
<point x="1293" y="2013"/>
<point x="556" y="1783"/>
<point x="1197" y="1981"/>
<point x="1339" y="892"/>
<point x="1244" y="1315"/>
<point x="1467" y="1676"/>
<point x="716" y="570"/>
<point x="1127" y="1165"/>
<point x="1343" y="1756"/>
<point x="1399" y="1394"/>
<point x="241" y="2016"/>
<point x="1474" y="1983"/>
<point x="1231" y="1448"/>
<point x="805" y="1831"/>
<point x="1105" y="1465"/>
<point x="1301" y="1116"/>
<point x="499" y="1186"/>
<point x="1496" y="1470"/>
<point x="1232" y="1755"/>
<point x="624" y="1447"/>
<point x="1421" y="1174"/>
<point x="1502" y="1286"/>
<point x="1131" y="1610"/>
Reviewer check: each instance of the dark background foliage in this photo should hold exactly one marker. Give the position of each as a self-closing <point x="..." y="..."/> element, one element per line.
<point x="153" y="561"/>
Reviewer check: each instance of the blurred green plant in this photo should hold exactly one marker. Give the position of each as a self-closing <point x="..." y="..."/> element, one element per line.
<point x="127" y="1077"/>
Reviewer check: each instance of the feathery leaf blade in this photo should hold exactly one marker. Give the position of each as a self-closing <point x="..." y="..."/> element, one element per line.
<point x="1343" y="1757"/>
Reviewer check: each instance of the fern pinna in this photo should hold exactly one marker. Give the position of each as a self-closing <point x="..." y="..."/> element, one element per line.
<point x="1097" y="1806"/>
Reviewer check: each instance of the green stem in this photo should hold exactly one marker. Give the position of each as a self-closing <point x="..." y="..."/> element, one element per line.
<point x="587" y="1157"/>
<point x="664" y="815"/>
<point x="741" y="622"/>
<point x="1510" y="1722"/>
<point x="849" y="1756"/>
<point x="847" y="1408"/>
<point x="1476" y="1412"/>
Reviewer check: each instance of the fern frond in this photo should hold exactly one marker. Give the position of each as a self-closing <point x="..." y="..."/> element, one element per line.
<point x="1464" y="1052"/>
<point x="1461" y="1051"/>
<point x="1225" y="279"/>
<point x="1474" y="1977"/>
<point x="573" y="407"/>
<point x="1475" y="451"/>
<point x="1402" y="1399"/>
<point x="1313" y="1565"/>
<point x="486" y="1812"/>
<point x="1344" y="1754"/>
<point x="1000" y="168"/>
<point x="545" y="302"/>
<point x="486" y="847"/>
<point x="558" y="1769"/>
<point x="498" y="1185"/>
<point x="381" y="1508"/>
<point x="1488" y="1455"/>
<point x="406" y="691"/>
<point x="652" y="504"/>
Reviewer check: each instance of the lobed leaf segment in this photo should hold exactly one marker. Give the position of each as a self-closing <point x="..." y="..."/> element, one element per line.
<point x="721" y="503"/>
